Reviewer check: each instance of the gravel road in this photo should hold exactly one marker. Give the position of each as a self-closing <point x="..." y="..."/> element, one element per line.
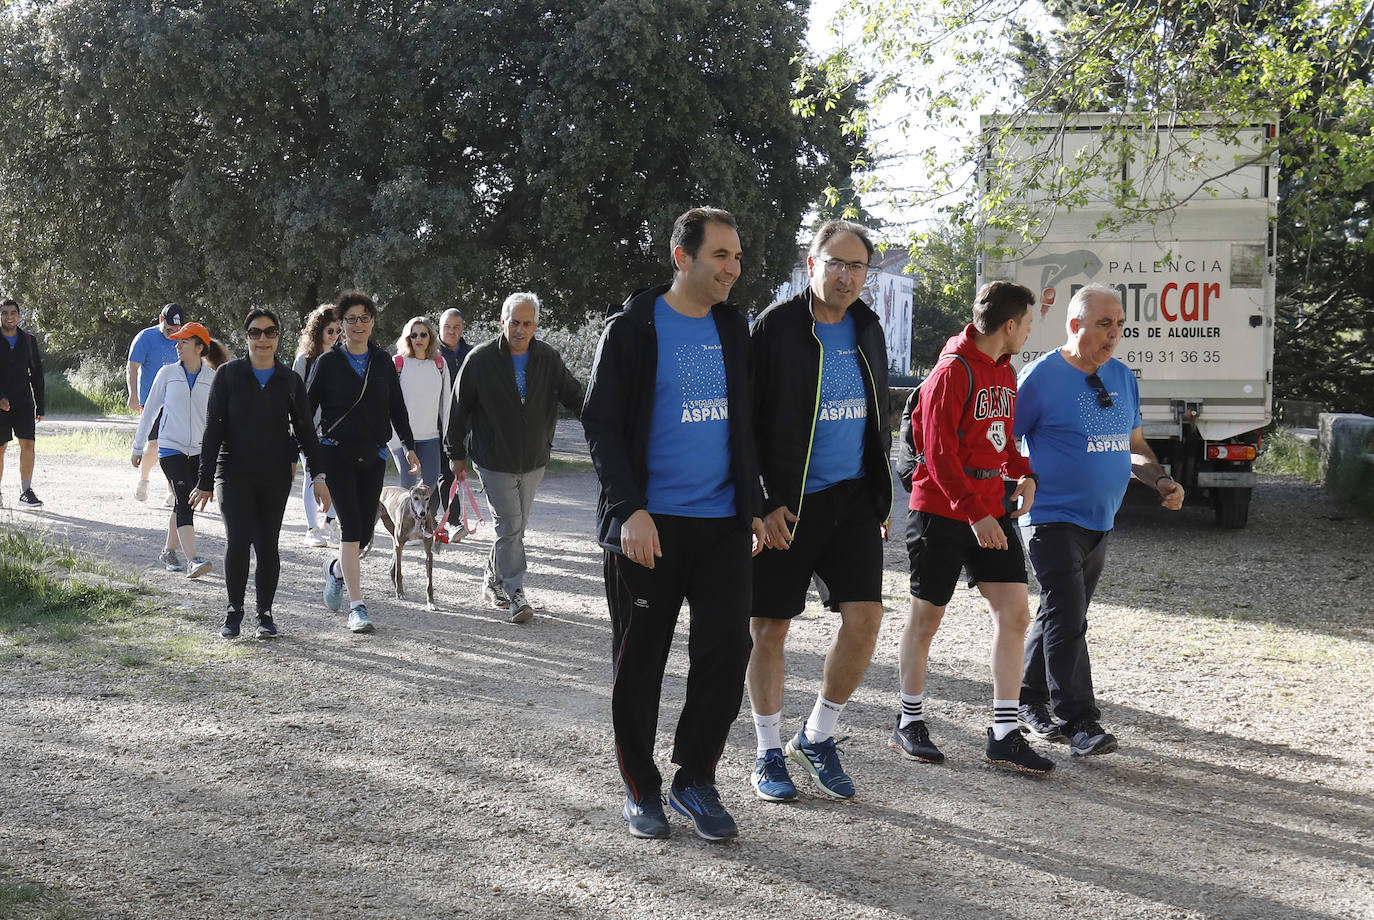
<point x="455" y="765"/>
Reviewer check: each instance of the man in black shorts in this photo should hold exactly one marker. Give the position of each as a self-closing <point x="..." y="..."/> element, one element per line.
<point x="962" y="430"/>
<point x="21" y="396"/>
<point x="820" y="371"/>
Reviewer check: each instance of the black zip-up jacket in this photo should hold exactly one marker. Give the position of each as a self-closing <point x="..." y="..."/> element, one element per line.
<point x="619" y="411"/>
<point x="21" y="373"/>
<point x="488" y="420"/>
<point x="787" y="392"/>
<point x="358" y="413"/>
<point x="254" y="431"/>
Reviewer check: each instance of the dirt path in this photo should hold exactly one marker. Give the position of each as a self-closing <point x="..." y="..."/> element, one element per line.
<point x="455" y="765"/>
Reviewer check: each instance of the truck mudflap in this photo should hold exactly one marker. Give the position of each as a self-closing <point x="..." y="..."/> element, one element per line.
<point x="1227" y="480"/>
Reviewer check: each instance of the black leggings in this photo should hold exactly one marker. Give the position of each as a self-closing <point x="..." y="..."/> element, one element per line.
<point x="252" y="509"/>
<point x="355" y="485"/>
<point x="181" y="472"/>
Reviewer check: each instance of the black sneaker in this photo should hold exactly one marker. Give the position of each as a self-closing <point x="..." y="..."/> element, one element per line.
<point x="266" y="628"/>
<point x="1087" y="738"/>
<point x="645" y="817"/>
<point x="29" y="500"/>
<point x="1035" y="720"/>
<point x="232" y="620"/>
<point x="913" y="742"/>
<point x="1013" y="751"/>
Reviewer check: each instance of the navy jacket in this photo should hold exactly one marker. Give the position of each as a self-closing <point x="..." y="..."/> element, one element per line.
<point x="787" y="374"/>
<point x="618" y="412"/>
<point x="358" y="413"/>
<point x="21" y="373"/>
<point x="254" y="431"/>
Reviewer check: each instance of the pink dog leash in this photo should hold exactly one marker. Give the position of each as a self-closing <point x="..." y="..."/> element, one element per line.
<point x="440" y="535"/>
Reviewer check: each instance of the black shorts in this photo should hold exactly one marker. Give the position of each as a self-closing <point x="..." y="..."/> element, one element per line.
<point x="938" y="547"/>
<point x="837" y="538"/>
<point x="17" y="422"/>
<point x="157" y="423"/>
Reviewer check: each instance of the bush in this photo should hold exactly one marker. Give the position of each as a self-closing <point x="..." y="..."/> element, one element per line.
<point x="90" y="388"/>
<point x="1285" y="452"/>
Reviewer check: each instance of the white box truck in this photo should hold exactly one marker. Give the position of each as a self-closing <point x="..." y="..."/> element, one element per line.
<point x="1182" y="225"/>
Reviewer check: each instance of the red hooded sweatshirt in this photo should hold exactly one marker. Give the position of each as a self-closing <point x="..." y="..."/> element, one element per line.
<point x="956" y="434"/>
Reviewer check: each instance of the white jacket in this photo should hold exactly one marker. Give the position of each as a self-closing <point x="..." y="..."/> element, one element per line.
<point x="183" y="410"/>
<point x="428" y="395"/>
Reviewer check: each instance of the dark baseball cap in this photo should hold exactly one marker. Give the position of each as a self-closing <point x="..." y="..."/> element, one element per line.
<point x="173" y="315"/>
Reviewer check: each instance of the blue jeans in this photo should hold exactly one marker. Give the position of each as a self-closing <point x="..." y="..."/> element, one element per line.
<point x="509" y="495"/>
<point x="1068" y="561"/>
<point x="428" y="452"/>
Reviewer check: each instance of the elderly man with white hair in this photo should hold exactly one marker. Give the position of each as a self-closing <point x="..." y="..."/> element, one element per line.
<point x="1078" y="410"/>
<point x="505" y="406"/>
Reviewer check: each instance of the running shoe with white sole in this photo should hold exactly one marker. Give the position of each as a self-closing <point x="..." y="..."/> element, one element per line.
<point x="333" y="587"/>
<point x="171" y="561"/>
<point x="198" y="567"/>
<point x="821" y="759"/>
<point x="358" y="620"/>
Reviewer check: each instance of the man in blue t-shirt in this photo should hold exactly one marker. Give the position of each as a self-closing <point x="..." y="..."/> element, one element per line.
<point x="1079" y="412"/>
<point x="820" y="411"/>
<point x="667" y="419"/>
<point x="21" y="396"/>
<point x="150" y="350"/>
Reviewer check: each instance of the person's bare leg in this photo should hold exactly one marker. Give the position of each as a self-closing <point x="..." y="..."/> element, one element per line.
<point x="1010" y="617"/>
<point x="26" y="456"/>
<point x="851" y="650"/>
<point x="764" y="676"/>
<point x="350" y="565"/>
<point x="145" y="466"/>
<point x="913" y="651"/>
<point x="187" y="535"/>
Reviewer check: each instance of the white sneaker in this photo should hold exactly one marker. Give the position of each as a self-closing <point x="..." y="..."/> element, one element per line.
<point x="314" y="537"/>
<point x="141" y="491"/>
<point x="170" y="501"/>
<point x="197" y="567"/>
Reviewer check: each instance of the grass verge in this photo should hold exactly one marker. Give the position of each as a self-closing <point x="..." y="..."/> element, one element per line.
<point x="97" y="443"/>
<point x="20" y="900"/>
<point x="78" y="392"/>
<point x="48" y="586"/>
<point x="1287" y="453"/>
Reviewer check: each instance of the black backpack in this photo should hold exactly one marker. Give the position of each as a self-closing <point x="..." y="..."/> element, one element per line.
<point x="906" y="447"/>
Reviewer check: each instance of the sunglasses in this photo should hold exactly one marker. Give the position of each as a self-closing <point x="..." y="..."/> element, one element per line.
<point x="1104" y="399"/>
<point x="419" y="335"/>
<point x="331" y="330"/>
<point x="258" y="332"/>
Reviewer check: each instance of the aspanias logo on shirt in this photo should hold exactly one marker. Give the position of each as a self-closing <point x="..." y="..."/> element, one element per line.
<point x="1108" y="445"/>
<point x="702" y="372"/>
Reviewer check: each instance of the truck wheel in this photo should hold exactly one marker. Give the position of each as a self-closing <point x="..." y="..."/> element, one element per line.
<point x="1232" y="507"/>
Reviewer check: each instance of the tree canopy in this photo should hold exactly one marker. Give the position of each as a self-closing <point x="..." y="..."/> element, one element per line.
<point x="436" y="152"/>
<point x="941" y="62"/>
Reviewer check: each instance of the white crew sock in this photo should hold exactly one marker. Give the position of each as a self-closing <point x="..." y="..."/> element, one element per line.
<point x="768" y="732"/>
<point x="913" y="709"/>
<point x="352" y="604"/>
<point x="824" y="716"/>
<point x="1003" y="718"/>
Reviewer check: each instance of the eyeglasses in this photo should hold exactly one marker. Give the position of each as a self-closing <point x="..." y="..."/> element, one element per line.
<point x="835" y="266"/>
<point x="1104" y="399"/>
<point x="419" y="335"/>
<point x="259" y="332"/>
<point x="363" y="318"/>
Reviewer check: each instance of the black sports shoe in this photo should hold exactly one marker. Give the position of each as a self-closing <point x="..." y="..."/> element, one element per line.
<point x="1035" y="720"/>
<point x="1013" y="751"/>
<point x="645" y="816"/>
<point x="29" y="500"/>
<point x="232" y="619"/>
<point x="1087" y="738"/>
<point x="913" y="742"/>
<point x="266" y="628"/>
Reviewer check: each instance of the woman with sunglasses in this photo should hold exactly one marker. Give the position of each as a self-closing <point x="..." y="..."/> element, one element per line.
<point x="355" y="389"/>
<point x="256" y="421"/>
<point x="425" y="386"/>
<point x="321" y="333"/>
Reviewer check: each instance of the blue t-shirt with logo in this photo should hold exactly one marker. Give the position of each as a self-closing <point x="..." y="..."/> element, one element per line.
<point x="1080" y="450"/>
<point x="521" y="362"/>
<point x="151" y="350"/>
<point x="689" y="436"/>
<point x="358" y="362"/>
<point x="837" y="449"/>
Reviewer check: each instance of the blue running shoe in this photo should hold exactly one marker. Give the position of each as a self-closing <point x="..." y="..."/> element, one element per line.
<point x="821" y="759"/>
<point x="645" y="817"/>
<point x="702" y="805"/>
<point x="770" y="780"/>
<point x="358" y="620"/>
<point x="333" y="587"/>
